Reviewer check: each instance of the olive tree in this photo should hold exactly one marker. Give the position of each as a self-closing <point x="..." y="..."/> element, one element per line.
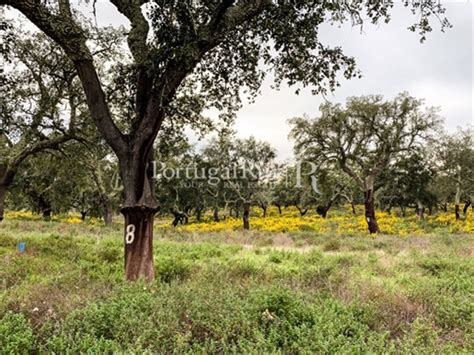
<point x="363" y="138"/>
<point x="183" y="51"/>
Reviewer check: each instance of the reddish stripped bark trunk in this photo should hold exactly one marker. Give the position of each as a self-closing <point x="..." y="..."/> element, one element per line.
<point x="370" y="206"/>
<point x="139" y="243"/>
<point x="139" y="208"/>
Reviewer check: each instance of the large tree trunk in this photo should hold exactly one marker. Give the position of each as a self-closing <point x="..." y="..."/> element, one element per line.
<point x="139" y="208"/>
<point x="246" y="216"/>
<point x="139" y="243"/>
<point x="370" y="206"/>
<point x="3" y="195"/>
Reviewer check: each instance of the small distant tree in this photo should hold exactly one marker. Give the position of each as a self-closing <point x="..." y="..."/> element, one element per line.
<point x="363" y="138"/>
<point x="294" y="190"/>
<point x="408" y="183"/>
<point x="255" y="160"/>
<point x="331" y="186"/>
<point x="455" y="157"/>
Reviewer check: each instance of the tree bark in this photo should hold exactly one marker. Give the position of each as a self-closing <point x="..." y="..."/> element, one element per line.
<point x="466" y="206"/>
<point x="403" y="209"/>
<point x="353" y="208"/>
<point x="3" y="195"/>
<point x="246" y="216"/>
<point x="44" y="208"/>
<point x="457" y="197"/>
<point x="108" y="214"/>
<point x="370" y="206"/>
<point x="139" y="243"/>
<point x="420" y="210"/>
<point x="301" y="211"/>
<point x="322" y="211"/>
<point x="457" y="201"/>
<point x="138" y="209"/>
<point x="456" y="212"/>
<point x="279" y="209"/>
<point x="47" y="214"/>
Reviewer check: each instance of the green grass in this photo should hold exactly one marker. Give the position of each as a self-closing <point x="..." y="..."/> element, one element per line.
<point x="235" y="292"/>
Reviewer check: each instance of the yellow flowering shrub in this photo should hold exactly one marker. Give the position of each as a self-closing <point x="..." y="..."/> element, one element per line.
<point x="340" y="221"/>
<point x="65" y="218"/>
<point x="22" y="215"/>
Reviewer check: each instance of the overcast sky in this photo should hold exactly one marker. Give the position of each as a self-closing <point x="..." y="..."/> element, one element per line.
<point x="391" y="59"/>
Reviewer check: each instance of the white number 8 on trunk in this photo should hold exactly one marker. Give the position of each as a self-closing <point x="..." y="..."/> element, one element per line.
<point x="130" y="234"/>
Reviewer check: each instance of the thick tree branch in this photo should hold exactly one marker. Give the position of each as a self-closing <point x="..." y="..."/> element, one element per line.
<point x="63" y="30"/>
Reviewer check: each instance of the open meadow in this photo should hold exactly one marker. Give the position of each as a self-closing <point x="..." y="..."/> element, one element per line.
<point x="227" y="290"/>
<point x="236" y="177"/>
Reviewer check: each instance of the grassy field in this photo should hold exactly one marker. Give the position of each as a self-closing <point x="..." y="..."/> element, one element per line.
<point x="229" y="291"/>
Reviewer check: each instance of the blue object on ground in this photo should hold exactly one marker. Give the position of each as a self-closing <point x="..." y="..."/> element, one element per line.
<point x="22" y="247"/>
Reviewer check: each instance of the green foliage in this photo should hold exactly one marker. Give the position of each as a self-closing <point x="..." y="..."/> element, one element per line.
<point x="393" y="295"/>
<point x="16" y="335"/>
<point x="170" y="269"/>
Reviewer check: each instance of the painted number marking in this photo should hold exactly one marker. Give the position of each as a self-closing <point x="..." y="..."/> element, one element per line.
<point x="130" y="234"/>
